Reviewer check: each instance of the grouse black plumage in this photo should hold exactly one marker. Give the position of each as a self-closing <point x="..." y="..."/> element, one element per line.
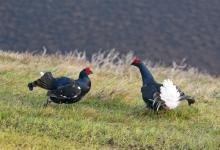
<point x="64" y="89"/>
<point x="159" y="96"/>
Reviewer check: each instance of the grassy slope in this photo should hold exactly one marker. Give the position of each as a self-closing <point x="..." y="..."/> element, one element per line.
<point x="111" y="115"/>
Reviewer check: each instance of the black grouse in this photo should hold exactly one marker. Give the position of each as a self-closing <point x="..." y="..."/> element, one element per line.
<point x="63" y="89"/>
<point x="159" y="96"/>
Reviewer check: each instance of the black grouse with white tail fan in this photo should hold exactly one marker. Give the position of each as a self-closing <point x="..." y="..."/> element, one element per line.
<point x="63" y="89"/>
<point x="159" y="96"/>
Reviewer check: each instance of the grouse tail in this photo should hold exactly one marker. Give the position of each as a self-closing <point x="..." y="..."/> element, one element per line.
<point x="45" y="82"/>
<point x="170" y="94"/>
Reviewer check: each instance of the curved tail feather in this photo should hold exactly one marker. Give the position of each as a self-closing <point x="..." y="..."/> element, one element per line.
<point x="190" y="99"/>
<point x="45" y="82"/>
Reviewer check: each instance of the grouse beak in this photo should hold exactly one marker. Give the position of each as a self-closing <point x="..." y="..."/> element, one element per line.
<point x="91" y="72"/>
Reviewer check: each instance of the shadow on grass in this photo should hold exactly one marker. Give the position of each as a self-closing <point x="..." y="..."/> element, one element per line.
<point x="182" y="113"/>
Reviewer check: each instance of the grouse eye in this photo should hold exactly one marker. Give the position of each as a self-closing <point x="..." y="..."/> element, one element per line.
<point x="136" y="60"/>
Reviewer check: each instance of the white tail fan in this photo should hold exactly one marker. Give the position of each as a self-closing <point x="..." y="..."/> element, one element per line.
<point x="41" y="74"/>
<point x="169" y="94"/>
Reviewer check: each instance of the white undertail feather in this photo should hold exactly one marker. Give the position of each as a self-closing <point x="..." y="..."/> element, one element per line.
<point x="41" y="74"/>
<point x="169" y="94"/>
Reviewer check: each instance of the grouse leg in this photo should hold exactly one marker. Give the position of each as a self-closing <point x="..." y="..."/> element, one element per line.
<point x="158" y="106"/>
<point x="157" y="102"/>
<point x="47" y="102"/>
<point x="156" y="97"/>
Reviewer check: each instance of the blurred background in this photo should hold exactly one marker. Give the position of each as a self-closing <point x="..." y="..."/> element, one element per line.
<point x="157" y="30"/>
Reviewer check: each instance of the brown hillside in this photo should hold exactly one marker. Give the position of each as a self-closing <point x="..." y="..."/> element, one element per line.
<point x="159" y="30"/>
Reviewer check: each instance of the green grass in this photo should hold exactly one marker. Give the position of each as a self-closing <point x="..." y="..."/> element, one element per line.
<point x="111" y="116"/>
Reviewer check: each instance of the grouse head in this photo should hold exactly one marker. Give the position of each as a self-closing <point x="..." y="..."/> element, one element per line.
<point x="136" y="62"/>
<point x="85" y="72"/>
<point x="88" y="70"/>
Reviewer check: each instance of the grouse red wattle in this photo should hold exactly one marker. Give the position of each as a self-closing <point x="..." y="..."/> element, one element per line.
<point x="64" y="89"/>
<point x="159" y="96"/>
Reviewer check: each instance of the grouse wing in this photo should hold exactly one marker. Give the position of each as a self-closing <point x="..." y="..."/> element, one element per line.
<point x="68" y="91"/>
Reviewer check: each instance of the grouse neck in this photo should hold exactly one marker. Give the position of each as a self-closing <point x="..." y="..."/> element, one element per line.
<point x="83" y="75"/>
<point x="147" y="77"/>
